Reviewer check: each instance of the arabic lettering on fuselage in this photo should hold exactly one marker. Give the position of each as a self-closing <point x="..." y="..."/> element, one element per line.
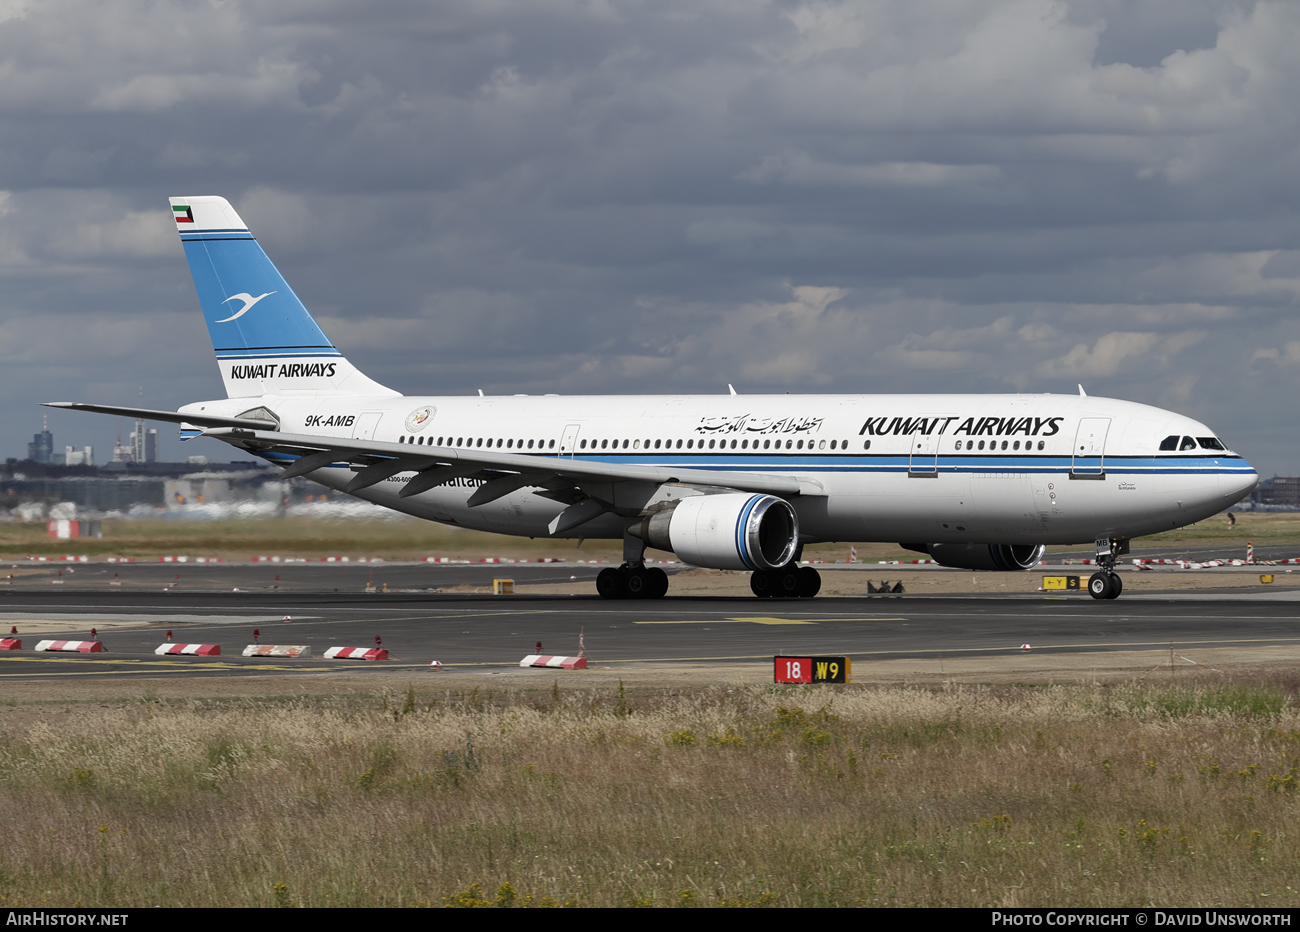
<point x="748" y="424"/>
<point x="970" y="427"/>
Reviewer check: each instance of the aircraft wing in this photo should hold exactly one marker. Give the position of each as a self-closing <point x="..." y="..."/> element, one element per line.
<point x="505" y="472"/>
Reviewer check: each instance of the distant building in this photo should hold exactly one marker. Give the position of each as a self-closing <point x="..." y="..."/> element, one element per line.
<point x="1281" y="491"/>
<point x="74" y="457"/>
<point x="144" y="444"/>
<point x="41" y="449"/>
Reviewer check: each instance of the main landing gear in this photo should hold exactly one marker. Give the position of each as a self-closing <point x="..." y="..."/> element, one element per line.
<point x="632" y="581"/>
<point x="1107" y="584"/>
<point x="790" y="582"/>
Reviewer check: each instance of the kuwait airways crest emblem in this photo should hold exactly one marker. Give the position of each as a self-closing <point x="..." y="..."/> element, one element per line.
<point x="418" y="419"/>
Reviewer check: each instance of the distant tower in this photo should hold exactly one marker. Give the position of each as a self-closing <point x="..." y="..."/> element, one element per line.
<point x="144" y="444"/>
<point x="41" y="449"/>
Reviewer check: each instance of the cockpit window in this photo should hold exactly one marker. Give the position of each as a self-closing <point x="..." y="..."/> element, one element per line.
<point x="1169" y="443"/>
<point x="1210" y="443"/>
<point x="1188" y="444"/>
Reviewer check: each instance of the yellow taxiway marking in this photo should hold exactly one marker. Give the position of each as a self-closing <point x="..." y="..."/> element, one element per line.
<point x="759" y="621"/>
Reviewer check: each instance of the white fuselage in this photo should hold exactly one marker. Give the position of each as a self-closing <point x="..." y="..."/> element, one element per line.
<point x="1013" y="469"/>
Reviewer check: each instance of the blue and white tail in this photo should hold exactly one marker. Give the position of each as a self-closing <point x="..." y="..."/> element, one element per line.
<point x="265" y="339"/>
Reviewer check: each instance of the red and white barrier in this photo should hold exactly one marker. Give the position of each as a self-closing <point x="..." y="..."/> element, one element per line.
<point x="81" y="647"/>
<point x="563" y="663"/>
<point x="200" y="650"/>
<point x="11" y="644"/>
<point x="356" y="653"/>
<point x="277" y="650"/>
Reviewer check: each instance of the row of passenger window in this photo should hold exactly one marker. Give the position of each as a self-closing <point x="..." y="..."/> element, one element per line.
<point x="713" y="444"/>
<point x="480" y="442"/>
<point x="993" y="444"/>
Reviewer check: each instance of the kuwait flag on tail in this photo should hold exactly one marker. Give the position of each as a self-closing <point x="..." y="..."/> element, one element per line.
<point x="183" y="214"/>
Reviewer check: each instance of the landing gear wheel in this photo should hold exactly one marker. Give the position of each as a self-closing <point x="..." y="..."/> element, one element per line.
<point x="637" y="583"/>
<point x="1116" y="586"/>
<point x="762" y="584"/>
<point x="810" y="582"/>
<point x="657" y="583"/>
<point x="610" y="584"/>
<point x="1100" y="586"/>
<point x="787" y="582"/>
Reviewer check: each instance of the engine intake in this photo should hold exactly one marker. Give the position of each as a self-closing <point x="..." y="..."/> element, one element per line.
<point x="726" y="531"/>
<point x="1004" y="557"/>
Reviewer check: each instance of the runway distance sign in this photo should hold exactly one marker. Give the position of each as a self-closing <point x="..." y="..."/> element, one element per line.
<point x="812" y="669"/>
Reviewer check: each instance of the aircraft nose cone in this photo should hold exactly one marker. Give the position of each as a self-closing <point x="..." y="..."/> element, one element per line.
<point x="1239" y="482"/>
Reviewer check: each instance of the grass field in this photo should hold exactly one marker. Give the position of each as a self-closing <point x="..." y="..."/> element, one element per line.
<point x="405" y="538"/>
<point x="716" y="796"/>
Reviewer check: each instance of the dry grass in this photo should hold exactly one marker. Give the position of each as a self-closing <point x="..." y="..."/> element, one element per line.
<point x="730" y="795"/>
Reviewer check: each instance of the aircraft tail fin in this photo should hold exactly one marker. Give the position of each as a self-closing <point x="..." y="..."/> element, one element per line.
<point x="265" y="338"/>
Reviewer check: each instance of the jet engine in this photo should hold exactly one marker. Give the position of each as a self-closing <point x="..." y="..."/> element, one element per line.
<point x="1005" y="557"/>
<point x="726" y="531"/>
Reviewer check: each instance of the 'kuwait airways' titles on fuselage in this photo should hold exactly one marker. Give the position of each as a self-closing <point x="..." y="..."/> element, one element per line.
<point x="990" y="426"/>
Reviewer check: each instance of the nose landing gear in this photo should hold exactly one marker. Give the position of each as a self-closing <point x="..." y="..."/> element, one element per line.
<point x="1107" y="584"/>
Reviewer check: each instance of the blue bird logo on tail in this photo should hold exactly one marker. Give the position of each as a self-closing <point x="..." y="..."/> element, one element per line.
<point x="248" y="300"/>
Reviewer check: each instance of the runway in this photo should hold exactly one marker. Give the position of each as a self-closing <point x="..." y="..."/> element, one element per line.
<point x="418" y="617"/>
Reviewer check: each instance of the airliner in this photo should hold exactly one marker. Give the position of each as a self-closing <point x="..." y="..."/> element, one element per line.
<point x="728" y="481"/>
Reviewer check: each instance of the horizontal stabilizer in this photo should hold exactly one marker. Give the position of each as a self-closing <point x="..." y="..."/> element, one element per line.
<point x="172" y="417"/>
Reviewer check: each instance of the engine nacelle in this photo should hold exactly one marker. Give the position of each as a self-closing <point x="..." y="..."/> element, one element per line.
<point x="727" y="531"/>
<point x="1005" y="557"/>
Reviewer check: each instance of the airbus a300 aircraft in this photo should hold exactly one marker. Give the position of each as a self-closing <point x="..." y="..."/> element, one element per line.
<point x="734" y="482"/>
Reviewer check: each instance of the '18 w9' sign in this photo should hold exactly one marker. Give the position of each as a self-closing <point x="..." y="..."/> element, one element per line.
<point x="812" y="669"/>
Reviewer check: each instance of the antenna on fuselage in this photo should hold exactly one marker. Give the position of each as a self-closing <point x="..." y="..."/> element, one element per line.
<point x="731" y="388"/>
<point x="1081" y="392"/>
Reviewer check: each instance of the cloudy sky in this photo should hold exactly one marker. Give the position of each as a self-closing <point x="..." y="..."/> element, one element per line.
<point x="563" y="196"/>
